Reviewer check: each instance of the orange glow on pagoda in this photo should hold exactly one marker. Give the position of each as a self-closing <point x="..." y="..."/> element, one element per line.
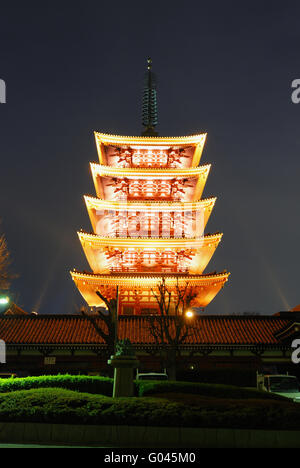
<point x="148" y="221"/>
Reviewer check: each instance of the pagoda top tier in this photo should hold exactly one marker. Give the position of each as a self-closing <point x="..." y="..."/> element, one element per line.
<point x="146" y="152"/>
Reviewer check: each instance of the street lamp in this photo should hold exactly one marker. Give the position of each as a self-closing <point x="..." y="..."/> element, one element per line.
<point x="189" y="314"/>
<point x="4" y="300"/>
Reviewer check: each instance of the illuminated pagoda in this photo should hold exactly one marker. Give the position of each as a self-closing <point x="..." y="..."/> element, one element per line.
<point x="148" y="218"/>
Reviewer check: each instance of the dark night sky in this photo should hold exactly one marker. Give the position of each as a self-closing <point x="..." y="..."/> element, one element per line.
<point x="223" y="67"/>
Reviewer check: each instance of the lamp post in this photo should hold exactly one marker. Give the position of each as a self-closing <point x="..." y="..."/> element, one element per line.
<point x="123" y="361"/>
<point x="115" y="319"/>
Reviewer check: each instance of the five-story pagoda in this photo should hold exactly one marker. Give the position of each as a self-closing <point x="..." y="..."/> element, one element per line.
<point x="148" y="218"/>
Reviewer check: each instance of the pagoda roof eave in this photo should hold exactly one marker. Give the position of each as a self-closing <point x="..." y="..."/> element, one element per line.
<point x="144" y="172"/>
<point x="153" y="241"/>
<point x="144" y="279"/>
<point x="99" y="203"/>
<point x="107" y="139"/>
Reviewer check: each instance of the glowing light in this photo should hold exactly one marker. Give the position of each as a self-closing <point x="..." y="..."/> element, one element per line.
<point x="4" y="300"/>
<point x="146" y="141"/>
<point x="189" y="314"/>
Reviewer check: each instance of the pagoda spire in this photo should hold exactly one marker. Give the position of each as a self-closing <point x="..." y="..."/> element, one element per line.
<point x="149" y="109"/>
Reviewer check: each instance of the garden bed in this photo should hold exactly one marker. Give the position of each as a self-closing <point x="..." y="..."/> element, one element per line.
<point x="61" y="406"/>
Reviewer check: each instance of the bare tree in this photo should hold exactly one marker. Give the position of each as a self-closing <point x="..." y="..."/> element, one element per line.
<point x="107" y="328"/>
<point x="6" y="276"/>
<point x="170" y="327"/>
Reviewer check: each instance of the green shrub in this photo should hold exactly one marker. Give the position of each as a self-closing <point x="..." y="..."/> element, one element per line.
<point x="57" y="405"/>
<point x="104" y="386"/>
<point x="79" y="383"/>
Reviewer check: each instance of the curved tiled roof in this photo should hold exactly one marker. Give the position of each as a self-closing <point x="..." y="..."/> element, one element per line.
<point x="145" y="204"/>
<point x="77" y="330"/>
<point x="149" y="172"/>
<point x="187" y="139"/>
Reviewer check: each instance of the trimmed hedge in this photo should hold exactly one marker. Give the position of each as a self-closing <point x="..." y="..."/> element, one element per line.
<point x="65" y="406"/>
<point x="58" y="405"/>
<point x="79" y="383"/>
<point x="104" y="386"/>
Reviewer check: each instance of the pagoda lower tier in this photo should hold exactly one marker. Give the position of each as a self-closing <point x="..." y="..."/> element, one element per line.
<point x="136" y="290"/>
<point x="144" y="255"/>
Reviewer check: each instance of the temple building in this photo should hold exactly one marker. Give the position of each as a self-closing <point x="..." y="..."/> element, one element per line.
<point x="228" y="344"/>
<point x="148" y="218"/>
